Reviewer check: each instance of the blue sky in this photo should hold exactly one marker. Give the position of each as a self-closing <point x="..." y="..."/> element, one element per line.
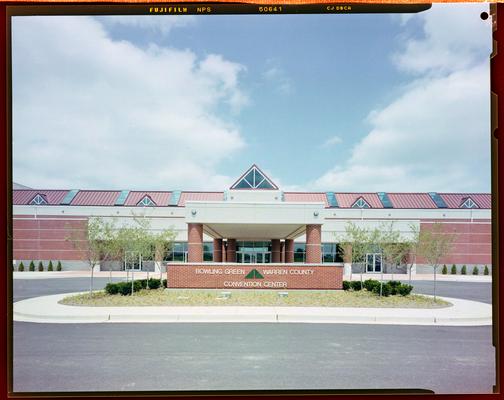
<point x="320" y="102"/>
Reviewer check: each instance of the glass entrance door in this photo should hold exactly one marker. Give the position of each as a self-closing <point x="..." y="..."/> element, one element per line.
<point x="249" y="257"/>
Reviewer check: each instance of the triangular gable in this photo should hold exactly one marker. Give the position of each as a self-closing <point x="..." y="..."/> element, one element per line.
<point x="146" y="202"/>
<point x="361" y="203"/>
<point x="254" y="179"/>
<point x="38" y="200"/>
<point x="467" y="202"/>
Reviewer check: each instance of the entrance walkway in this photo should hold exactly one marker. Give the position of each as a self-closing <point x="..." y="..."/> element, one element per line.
<point x="46" y="309"/>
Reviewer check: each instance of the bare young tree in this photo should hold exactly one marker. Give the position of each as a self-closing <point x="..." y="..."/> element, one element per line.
<point x="98" y="243"/>
<point x="392" y="246"/>
<point x="356" y="243"/>
<point x="434" y="244"/>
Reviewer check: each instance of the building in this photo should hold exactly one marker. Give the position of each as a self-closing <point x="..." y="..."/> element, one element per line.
<point x="253" y="222"/>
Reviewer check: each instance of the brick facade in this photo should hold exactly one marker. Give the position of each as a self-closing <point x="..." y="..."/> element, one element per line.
<point x="289" y="251"/>
<point x="274" y="276"/>
<point x="194" y="242"/>
<point x="217" y="250"/>
<point x="275" y="251"/>
<point x="231" y="250"/>
<point x="313" y="242"/>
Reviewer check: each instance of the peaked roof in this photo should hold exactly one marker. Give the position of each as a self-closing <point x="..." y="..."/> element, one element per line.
<point x="254" y="179"/>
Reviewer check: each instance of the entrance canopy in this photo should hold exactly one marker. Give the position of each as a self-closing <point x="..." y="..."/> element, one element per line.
<point x="254" y="231"/>
<point x="254" y="220"/>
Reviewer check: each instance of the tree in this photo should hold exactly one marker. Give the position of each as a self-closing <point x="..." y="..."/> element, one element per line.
<point x="393" y="248"/>
<point x="475" y="271"/>
<point x="445" y="269"/>
<point x="140" y="239"/>
<point x="412" y="245"/>
<point x="454" y="269"/>
<point x="357" y="242"/>
<point x="97" y="243"/>
<point x="59" y="267"/>
<point x="50" y="266"/>
<point x="486" y="271"/>
<point x="434" y="244"/>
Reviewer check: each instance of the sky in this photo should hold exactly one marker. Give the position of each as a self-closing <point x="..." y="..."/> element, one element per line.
<point x="362" y="102"/>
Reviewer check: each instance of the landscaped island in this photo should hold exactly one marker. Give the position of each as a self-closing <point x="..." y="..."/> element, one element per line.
<point x="354" y="296"/>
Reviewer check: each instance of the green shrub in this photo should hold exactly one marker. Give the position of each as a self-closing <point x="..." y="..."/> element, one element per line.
<point x="404" y="289"/>
<point x="454" y="269"/>
<point x="50" y="266"/>
<point x="112" y="288"/>
<point x="58" y="267"/>
<point x="394" y="285"/>
<point x="463" y="271"/>
<point x="369" y="284"/>
<point x="475" y="270"/>
<point x="21" y="267"/>
<point x="445" y="270"/>
<point x="40" y="266"/>
<point x="386" y="289"/>
<point x="164" y="283"/>
<point x="486" y="271"/>
<point x="356" y="285"/>
<point x="346" y="285"/>
<point x="154" y="283"/>
<point x="32" y="266"/>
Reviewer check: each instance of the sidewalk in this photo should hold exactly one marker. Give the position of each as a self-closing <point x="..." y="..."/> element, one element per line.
<point x="47" y="310"/>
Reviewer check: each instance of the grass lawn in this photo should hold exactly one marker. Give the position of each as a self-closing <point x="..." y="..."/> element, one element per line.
<point x="214" y="297"/>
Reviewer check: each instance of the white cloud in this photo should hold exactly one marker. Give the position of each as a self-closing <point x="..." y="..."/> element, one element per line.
<point x="276" y="76"/>
<point x="436" y="135"/>
<point x="332" y="141"/>
<point x="155" y="23"/>
<point x="90" y="112"/>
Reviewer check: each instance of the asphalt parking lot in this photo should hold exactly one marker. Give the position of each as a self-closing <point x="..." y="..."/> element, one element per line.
<point x="185" y="357"/>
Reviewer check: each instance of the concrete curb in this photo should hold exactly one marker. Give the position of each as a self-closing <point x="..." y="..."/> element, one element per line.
<point x="46" y="309"/>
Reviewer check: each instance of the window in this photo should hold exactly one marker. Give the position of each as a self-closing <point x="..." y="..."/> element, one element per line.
<point x="39" y="200"/>
<point x="254" y="179"/>
<point x="332" y="253"/>
<point x="299" y="252"/>
<point x="361" y="203"/>
<point x="146" y="202"/>
<point x="467" y="202"/>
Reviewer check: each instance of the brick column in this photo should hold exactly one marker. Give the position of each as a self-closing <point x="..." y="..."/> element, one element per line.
<point x="195" y="243"/>
<point x="231" y="250"/>
<point x="282" y="252"/>
<point x="223" y="251"/>
<point x="313" y="242"/>
<point x="289" y="250"/>
<point x="275" y="250"/>
<point x="217" y="250"/>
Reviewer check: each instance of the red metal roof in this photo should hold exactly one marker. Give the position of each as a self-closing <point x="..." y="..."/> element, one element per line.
<point x="160" y="198"/>
<point x="95" y="198"/>
<point x="23" y="197"/>
<point x="455" y="200"/>
<point x="346" y="200"/>
<point x="200" y="196"/>
<point x="411" y="200"/>
<point x="306" y="197"/>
